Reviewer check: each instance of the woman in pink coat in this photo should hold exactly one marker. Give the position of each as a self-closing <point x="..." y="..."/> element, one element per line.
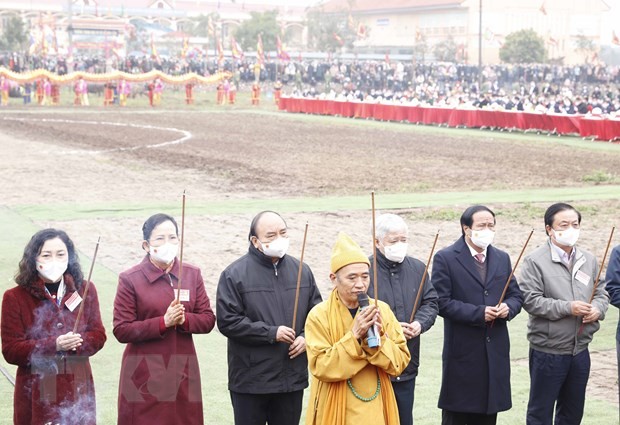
<point x="54" y="382"/>
<point x="160" y="378"/>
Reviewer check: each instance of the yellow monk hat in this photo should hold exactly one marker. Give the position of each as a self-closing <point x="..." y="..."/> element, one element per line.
<point x="346" y="252"/>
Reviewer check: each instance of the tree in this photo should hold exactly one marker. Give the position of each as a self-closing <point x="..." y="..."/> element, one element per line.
<point x="524" y="46"/>
<point x="445" y="50"/>
<point x="420" y="48"/>
<point x="330" y="31"/>
<point x="200" y="27"/>
<point x="265" y="24"/>
<point x="14" y="36"/>
<point x="585" y="46"/>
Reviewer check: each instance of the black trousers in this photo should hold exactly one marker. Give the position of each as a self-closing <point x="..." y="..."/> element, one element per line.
<point x="461" y="418"/>
<point x="404" y="392"/>
<point x="272" y="409"/>
<point x="557" y="381"/>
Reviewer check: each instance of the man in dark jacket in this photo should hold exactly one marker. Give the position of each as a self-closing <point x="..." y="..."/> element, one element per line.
<point x="267" y="364"/>
<point x="399" y="278"/>
<point x="612" y="279"/>
<point x="469" y="277"/>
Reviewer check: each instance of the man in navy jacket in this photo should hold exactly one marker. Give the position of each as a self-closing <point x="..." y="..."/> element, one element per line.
<point x="469" y="277"/>
<point x="612" y="279"/>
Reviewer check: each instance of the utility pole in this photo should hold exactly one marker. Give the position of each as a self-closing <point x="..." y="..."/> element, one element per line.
<point x="480" y="49"/>
<point x="70" y="37"/>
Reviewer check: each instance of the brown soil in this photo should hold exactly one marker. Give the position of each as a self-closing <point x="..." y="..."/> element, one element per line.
<point x="251" y="152"/>
<point x="243" y="155"/>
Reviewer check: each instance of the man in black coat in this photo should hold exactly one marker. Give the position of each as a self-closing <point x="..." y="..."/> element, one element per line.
<point x="399" y="277"/>
<point x="469" y="277"/>
<point x="267" y="364"/>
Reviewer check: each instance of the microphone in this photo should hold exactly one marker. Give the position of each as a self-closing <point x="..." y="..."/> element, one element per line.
<point x="371" y="337"/>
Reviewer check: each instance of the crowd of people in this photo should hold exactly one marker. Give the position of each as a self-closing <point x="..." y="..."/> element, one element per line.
<point x="363" y="356"/>
<point x="578" y="89"/>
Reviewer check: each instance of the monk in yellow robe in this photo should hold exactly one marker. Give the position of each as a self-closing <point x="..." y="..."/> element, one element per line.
<point x="350" y="380"/>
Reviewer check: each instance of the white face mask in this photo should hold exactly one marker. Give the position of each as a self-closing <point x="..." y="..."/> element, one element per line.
<point x="482" y="238"/>
<point x="52" y="270"/>
<point x="566" y="237"/>
<point x="276" y="248"/>
<point x="396" y="252"/>
<point x="164" y="254"/>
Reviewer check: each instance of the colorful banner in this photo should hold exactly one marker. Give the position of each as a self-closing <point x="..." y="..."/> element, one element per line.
<point x="282" y="54"/>
<point x="260" y="51"/>
<point x="31" y="76"/>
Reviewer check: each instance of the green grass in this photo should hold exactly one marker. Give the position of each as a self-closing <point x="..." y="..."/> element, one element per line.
<point x="18" y="228"/>
<point x="325" y="203"/>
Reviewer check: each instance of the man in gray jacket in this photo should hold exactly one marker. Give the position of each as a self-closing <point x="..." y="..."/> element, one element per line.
<point x="557" y="282"/>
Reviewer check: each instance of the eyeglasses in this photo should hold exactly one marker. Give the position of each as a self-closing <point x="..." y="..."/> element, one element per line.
<point x="161" y="240"/>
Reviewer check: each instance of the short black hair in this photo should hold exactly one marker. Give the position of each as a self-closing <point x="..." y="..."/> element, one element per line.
<point x="154" y="221"/>
<point x="467" y="219"/>
<point x="556" y="208"/>
<point x="256" y="219"/>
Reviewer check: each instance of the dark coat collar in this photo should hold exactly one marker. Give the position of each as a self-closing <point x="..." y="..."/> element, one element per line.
<point x="382" y="261"/>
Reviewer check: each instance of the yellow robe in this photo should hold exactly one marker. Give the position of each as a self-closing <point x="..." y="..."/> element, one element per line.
<point x="335" y="355"/>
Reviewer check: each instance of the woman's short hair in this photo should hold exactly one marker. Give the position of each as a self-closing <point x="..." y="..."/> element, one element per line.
<point x="155" y="220"/>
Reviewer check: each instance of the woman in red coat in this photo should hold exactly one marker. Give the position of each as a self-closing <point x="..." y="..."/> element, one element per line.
<point x="160" y="378"/>
<point x="54" y="382"/>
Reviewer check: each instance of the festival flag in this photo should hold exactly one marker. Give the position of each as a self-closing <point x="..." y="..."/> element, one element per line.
<point x="542" y="9"/>
<point x="418" y="35"/>
<point x="282" y="54"/>
<point x="492" y="37"/>
<point x="552" y="41"/>
<point x="460" y="52"/>
<point x="260" y="51"/>
<point x="34" y="44"/>
<point x="614" y="38"/>
<point x="43" y="42"/>
<point x="210" y="26"/>
<point x="361" y="31"/>
<point x="220" y="51"/>
<point x="351" y="23"/>
<point x="338" y="39"/>
<point x="235" y="48"/>
<point x="55" y="40"/>
<point x="154" y="53"/>
<point x="185" y="47"/>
